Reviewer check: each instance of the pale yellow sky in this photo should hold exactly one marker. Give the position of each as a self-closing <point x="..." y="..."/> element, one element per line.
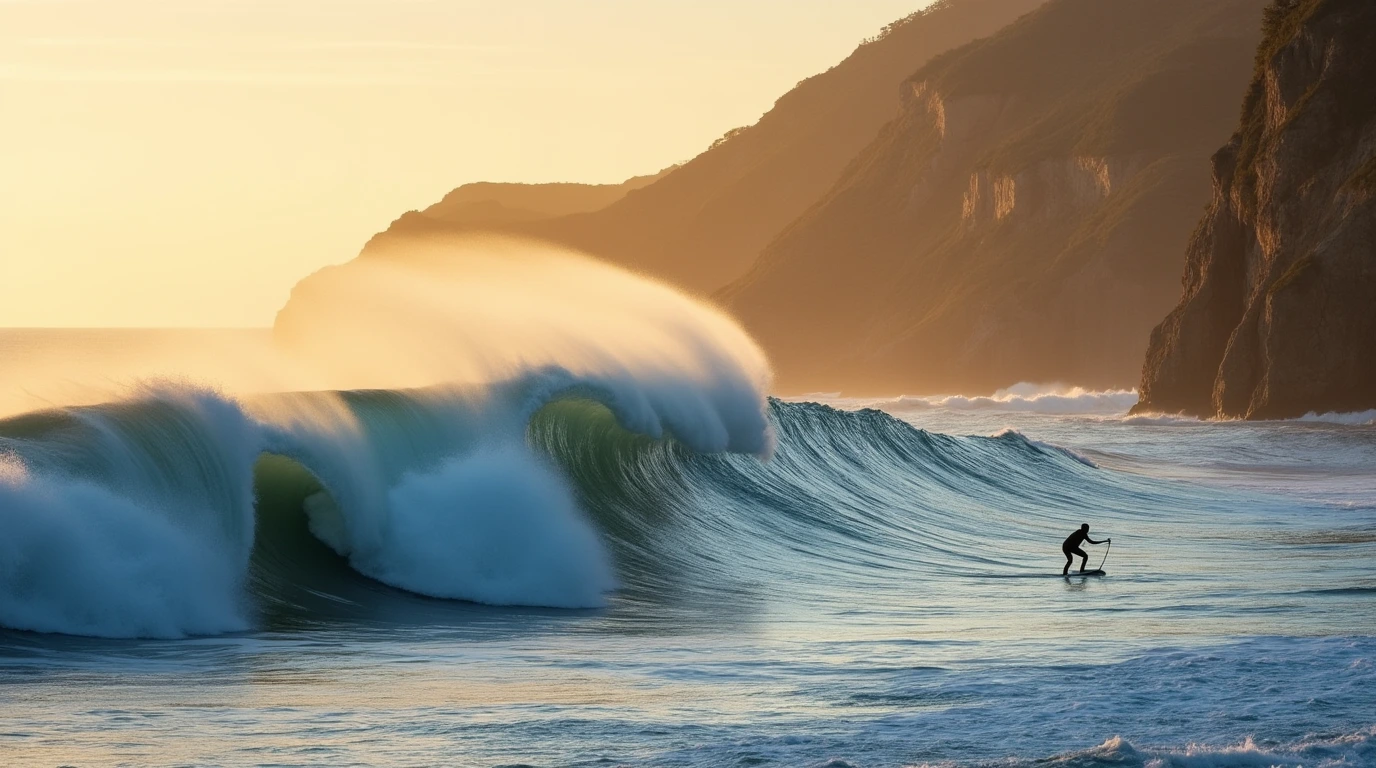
<point x="184" y="162"/>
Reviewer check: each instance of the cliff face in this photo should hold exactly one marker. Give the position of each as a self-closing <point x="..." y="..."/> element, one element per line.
<point x="1278" y="316"/>
<point x="1023" y="217"/>
<point x="704" y="223"/>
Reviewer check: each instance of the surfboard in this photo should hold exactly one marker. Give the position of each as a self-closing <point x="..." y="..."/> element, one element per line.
<point x="1095" y="572"/>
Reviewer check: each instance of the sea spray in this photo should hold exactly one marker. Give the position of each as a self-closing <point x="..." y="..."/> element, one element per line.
<point x="472" y="310"/>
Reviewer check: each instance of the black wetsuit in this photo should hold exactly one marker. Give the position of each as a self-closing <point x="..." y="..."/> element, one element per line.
<point x="1071" y="548"/>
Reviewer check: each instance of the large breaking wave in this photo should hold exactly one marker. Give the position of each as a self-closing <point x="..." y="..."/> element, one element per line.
<point x="181" y="511"/>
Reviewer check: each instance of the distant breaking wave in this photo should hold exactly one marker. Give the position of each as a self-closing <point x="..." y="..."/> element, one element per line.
<point x="1059" y="400"/>
<point x="1053" y="399"/>
<point x="1357" y="419"/>
<point x="1161" y="420"/>
<point x="1353" y="419"/>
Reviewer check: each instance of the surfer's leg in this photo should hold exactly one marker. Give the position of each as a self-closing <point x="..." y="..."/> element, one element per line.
<point x="1069" y="558"/>
<point x="1084" y="558"/>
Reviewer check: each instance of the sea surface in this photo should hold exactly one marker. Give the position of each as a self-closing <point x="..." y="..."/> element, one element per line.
<point x="564" y="571"/>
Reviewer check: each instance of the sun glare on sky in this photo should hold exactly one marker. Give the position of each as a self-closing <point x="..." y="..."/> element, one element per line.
<point x="184" y="164"/>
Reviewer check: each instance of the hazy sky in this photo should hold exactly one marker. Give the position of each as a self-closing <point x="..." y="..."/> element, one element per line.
<point x="184" y="162"/>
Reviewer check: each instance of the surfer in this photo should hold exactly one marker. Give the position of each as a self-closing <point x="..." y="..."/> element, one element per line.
<point x="1071" y="548"/>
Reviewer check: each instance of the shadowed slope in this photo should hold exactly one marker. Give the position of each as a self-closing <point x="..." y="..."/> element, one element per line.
<point x="705" y="222"/>
<point x="484" y="203"/>
<point x="1022" y="218"/>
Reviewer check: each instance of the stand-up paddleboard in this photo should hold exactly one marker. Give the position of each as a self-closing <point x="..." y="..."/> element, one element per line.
<point x="1097" y="571"/>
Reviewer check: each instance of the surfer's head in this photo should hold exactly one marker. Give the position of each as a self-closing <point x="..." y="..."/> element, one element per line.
<point x="1084" y="527"/>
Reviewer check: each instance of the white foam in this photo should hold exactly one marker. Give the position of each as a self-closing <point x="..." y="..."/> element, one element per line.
<point x="1349" y="750"/>
<point x="1052" y="399"/>
<point x="1356" y="419"/>
<point x="493" y="527"/>
<point x="1161" y="420"/>
<point x="153" y="543"/>
<point x="79" y="559"/>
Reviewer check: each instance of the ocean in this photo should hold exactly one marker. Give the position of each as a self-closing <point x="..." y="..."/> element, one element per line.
<point x="565" y="569"/>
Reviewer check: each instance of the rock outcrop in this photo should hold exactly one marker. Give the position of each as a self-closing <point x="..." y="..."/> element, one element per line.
<point x="1025" y="216"/>
<point x="1278" y="316"/>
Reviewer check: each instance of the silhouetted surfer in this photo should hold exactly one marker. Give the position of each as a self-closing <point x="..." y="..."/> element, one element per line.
<point x="1071" y="548"/>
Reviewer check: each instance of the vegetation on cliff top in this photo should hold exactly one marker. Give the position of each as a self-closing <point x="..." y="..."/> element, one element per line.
<point x="1280" y="23"/>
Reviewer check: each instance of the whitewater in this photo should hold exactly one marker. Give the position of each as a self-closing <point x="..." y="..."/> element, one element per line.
<point x="604" y="544"/>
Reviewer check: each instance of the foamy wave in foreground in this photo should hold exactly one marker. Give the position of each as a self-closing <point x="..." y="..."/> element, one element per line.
<point x="1355" y="749"/>
<point x="1344" y="751"/>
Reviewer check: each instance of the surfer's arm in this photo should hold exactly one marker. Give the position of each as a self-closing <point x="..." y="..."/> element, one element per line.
<point x="1092" y="541"/>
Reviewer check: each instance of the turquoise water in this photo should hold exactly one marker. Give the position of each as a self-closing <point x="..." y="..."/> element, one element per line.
<point x="512" y="578"/>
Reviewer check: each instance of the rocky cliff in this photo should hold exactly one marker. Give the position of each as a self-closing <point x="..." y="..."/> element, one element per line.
<point x="1278" y="316"/>
<point x="1024" y="217"/>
